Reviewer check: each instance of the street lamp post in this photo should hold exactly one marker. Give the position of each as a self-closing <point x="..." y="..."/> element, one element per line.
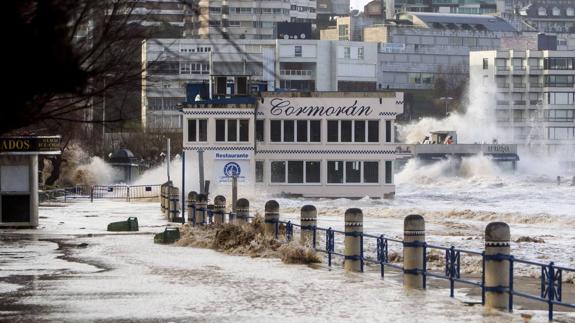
<point x="446" y="99"/>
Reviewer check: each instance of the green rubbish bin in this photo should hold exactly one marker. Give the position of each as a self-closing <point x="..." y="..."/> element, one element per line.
<point x="129" y="225"/>
<point x="170" y="235"/>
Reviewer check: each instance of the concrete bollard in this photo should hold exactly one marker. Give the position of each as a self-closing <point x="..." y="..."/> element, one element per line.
<point x="353" y="240"/>
<point x="242" y="211"/>
<point x="413" y="251"/>
<point x="166" y="198"/>
<point x="174" y="195"/>
<point x="209" y="219"/>
<point x="271" y="218"/>
<point x="162" y="205"/>
<point x="219" y="209"/>
<point x="201" y="209"/>
<point x="497" y="247"/>
<point x="308" y="220"/>
<point x="192" y="200"/>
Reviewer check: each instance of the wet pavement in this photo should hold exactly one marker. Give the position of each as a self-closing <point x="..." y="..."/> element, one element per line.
<point x="71" y="270"/>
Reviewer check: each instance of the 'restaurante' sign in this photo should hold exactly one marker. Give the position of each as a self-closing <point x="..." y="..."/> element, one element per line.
<point x="30" y="145"/>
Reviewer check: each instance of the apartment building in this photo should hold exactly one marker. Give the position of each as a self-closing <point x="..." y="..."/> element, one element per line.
<point x="550" y="16"/>
<point x="535" y="96"/>
<point x="423" y="46"/>
<point x="287" y="65"/>
<point x="238" y="19"/>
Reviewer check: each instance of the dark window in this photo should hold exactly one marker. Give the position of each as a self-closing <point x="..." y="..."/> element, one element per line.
<point x="302" y="130"/>
<point x="315" y="130"/>
<point x="295" y="171"/>
<point x="244" y="130"/>
<point x="260" y="130"/>
<point x="297" y="51"/>
<point x="387" y="131"/>
<point x="388" y="172"/>
<point x="333" y="131"/>
<point x="352" y="172"/>
<point x="259" y="171"/>
<point x="275" y="130"/>
<point x="335" y="171"/>
<point x="373" y="131"/>
<point x="15" y="208"/>
<point x="232" y="130"/>
<point x="370" y="172"/>
<point x="346" y="131"/>
<point x="485" y="63"/>
<point x="288" y="130"/>
<point x="192" y="130"/>
<point x="312" y="172"/>
<point x="278" y="169"/>
<point x="359" y="131"/>
<point x="220" y="130"/>
<point x="203" y="130"/>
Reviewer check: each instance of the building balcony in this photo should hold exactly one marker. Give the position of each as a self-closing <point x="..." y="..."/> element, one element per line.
<point x="296" y="72"/>
<point x="535" y="85"/>
<point x="503" y="68"/>
<point x="519" y="102"/>
<point x="535" y="102"/>
<point x="502" y="102"/>
<point x="503" y="85"/>
<point x="519" y="85"/>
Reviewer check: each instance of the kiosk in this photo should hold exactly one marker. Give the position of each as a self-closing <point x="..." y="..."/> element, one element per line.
<point x="19" y="178"/>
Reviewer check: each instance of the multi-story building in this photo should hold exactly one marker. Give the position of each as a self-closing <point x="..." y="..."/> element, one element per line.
<point x="301" y="65"/>
<point x="238" y="19"/>
<point x="427" y="45"/>
<point x="478" y="7"/>
<point x="550" y="16"/>
<point x="316" y="144"/>
<point x="535" y="95"/>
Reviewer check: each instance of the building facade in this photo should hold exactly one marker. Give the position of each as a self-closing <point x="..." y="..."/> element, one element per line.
<point x="550" y="16"/>
<point x="323" y="144"/>
<point x="535" y="96"/>
<point x="294" y="65"/>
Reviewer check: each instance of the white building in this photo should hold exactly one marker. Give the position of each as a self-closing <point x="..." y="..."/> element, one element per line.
<point x="302" y="65"/>
<point x="535" y="95"/>
<point x="327" y="144"/>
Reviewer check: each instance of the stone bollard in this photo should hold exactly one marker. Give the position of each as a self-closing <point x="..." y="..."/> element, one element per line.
<point x="201" y="209"/>
<point x="271" y="218"/>
<point x="242" y="211"/>
<point x="174" y="195"/>
<point x="210" y="219"/>
<point x="162" y="205"/>
<point x="308" y="220"/>
<point x="413" y="251"/>
<point x="192" y="200"/>
<point x="219" y="209"/>
<point x="166" y="198"/>
<point x="497" y="247"/>
<point x="353" y="240"/>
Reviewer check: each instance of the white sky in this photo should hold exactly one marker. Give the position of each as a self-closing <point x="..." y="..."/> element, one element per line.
<point x="358" y="4"/>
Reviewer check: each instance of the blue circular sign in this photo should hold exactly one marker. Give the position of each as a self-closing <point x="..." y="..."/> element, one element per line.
<point x="232" y="169"/>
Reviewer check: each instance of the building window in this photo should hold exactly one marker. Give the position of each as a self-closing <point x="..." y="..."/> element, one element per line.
<point x="297" y="51"/>
<point x="388" y="172"/>
<point x="296" y="172"/>
<point x="260" y="126"/>
<point x="352" y="131"/>
<point x="278" y="171"/>
<point x="542" y="11"/>
<point x="259" y="171"/>
<point x="360" y="53"/>
<point x="347" y="52"/>
<point x="559" y="115"/>
<point x="559" y="80"/>
<point x="232" y="130"/>
<point x="352" y="172"/>
<point x="561" y="133"/>
<point x="343" y="31"/>
<point x="560" y="98"/>
<point x="197" y="130"/>
<point x="485" y="63"/>
<point x="295" y="130"/>
<point x="387" y="130"/>
<point x="559" y="63"/>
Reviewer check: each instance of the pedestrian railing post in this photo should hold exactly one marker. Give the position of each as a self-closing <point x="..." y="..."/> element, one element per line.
<point x="91" y="193"/>
<point x="498" y="273"/>
<point x="219" y="209"/>
<point x="192" y="199"/>
<point x="353" y="240"/>
<point x="308" y="220"/>
<point x="329" y="244"/>
<point x="242" y="211"/>
<point x="271" y="218"/>
<point x="414" y="251"/>
<point x="201" y="209"/>
<point x="127" y="193"/>
<point x="382" y="254"/>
